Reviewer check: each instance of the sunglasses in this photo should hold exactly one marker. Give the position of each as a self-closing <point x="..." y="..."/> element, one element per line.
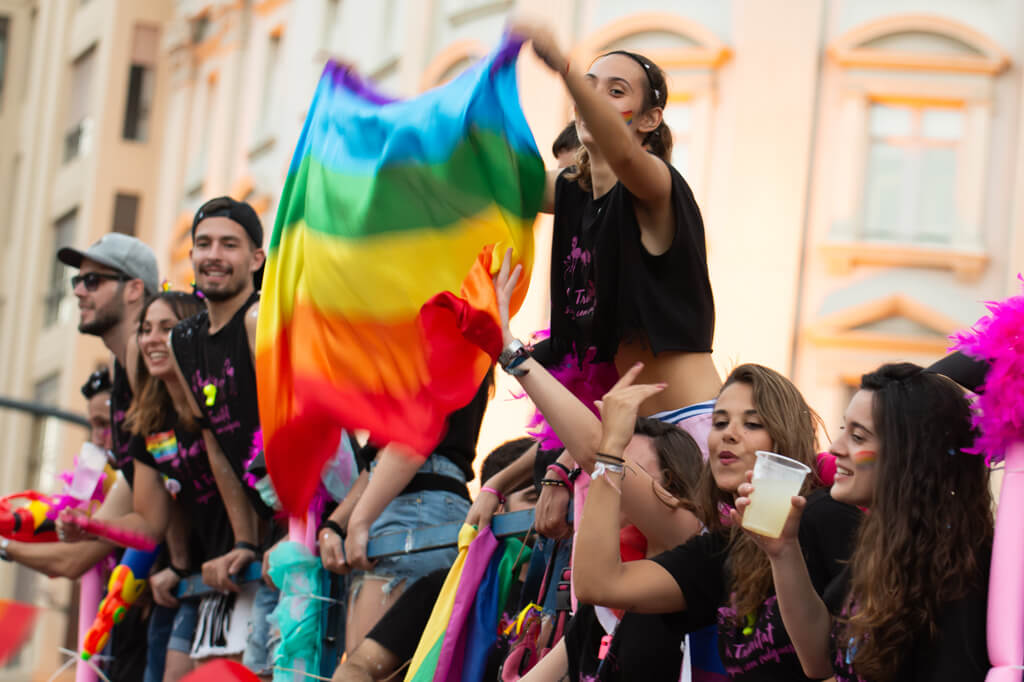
<point x="92" y="280"/>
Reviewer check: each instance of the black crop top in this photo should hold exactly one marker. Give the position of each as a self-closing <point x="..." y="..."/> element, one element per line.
<point x="606" y="287"/>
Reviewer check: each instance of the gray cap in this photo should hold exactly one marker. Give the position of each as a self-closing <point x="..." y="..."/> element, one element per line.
<point x="121" y="252"/>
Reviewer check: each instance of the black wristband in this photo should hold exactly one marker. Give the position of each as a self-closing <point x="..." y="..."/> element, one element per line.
<point x="180" y="572"/>
<point x="331" y="525"/>
<point x="609" y="458"/>
<point x="561" y="466"/>
<point x="249" y="546"/>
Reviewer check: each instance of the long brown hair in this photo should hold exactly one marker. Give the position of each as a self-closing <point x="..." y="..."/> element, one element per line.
<point x="657" y="142"/>
<point x="792" y="426"/>
<point x="930" y="527"/>
<point x="152" y="404"/>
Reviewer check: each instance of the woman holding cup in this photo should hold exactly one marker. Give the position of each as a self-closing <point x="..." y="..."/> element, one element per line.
<point x="911" y="603"/>
<point x="721" y="576"/>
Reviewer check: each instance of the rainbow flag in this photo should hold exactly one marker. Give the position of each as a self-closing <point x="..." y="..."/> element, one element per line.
<point x="16" y="621"/>
<point x="377" y="296"/>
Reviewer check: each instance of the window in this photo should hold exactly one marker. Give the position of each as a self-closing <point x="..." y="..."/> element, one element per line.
<point x="43" y="451"/>
<point x="327" y="30"/>
<point x="141" y="74"/>
<point x="126" y="211"/>
<point x="202" y="122"/>
<point x="910" y="183"/>
<point x="76" y="135"/>
<point x="57" y="290"/>
<point x="5" y="36"/>
<point x="271" y="83"/>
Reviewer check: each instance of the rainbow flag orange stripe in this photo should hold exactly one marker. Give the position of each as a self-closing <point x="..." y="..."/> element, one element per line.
<point x="377" y="294"/>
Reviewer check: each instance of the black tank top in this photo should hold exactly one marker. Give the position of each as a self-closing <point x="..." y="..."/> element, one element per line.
<point x="223" y="362"/>
<point x="180" y="457"/>
<point x="606" y="287"/>
<point x="120" y="401"/>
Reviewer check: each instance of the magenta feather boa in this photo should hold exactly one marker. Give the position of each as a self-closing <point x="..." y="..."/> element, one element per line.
<point x="588" y="382"/>
<point x="999" y="411"/>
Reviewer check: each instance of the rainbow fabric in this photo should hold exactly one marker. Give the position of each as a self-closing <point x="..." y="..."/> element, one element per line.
<point x="463" y="624"/>
<point x="16" y="621"/>
<point x="377" y="295"/>
<point x="162" y="445"/>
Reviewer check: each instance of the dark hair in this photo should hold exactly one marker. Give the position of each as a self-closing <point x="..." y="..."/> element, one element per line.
<point x="679" y="458"/>
<point x="792" y="426"/>
<point x="152" y="404"/>
<point x="503" y="455"/>
<point x="930" y="529"/>
<point x="658" y="141"/>
<point x="98" y="382"/>
<point x="567" y="141"/>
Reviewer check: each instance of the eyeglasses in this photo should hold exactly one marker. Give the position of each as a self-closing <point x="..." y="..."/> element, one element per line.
<point x="92" y="280"/>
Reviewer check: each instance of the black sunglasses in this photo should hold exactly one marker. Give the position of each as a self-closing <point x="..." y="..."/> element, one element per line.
<point x="92" y="280"/>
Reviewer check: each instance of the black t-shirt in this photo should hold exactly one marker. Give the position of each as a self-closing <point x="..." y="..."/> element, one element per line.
<point x="958" y="653"/>
<point x="759" y="650"/>
<point x="224" y="361"/>
<point x="180" y="457"/>
<point x="606" y="286"/>
<point x="643" y="647"/>
<point x="120" y="401"/>
<point x="461" y="433"/>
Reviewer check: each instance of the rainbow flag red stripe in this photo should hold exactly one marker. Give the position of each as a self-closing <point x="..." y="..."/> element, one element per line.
<point x="377" y="295"/>
<point x="16" y="621"/>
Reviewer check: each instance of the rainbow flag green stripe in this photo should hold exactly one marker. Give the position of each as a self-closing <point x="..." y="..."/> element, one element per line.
<point x="377" y="297"/>
<point x="433" y="195"/>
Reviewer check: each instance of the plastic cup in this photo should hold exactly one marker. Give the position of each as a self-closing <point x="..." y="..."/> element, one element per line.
<point x="776" y="480"/>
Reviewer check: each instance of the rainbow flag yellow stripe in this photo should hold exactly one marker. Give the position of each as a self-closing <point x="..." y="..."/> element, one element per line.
<point x="377" y="295"/>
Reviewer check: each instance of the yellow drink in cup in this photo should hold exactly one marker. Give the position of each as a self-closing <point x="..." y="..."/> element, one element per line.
<point x="776" y="480"/>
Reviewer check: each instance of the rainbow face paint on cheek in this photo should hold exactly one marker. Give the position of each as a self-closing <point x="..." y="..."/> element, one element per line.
<point x="627" y="116"/>
<point x="864" y="459"/>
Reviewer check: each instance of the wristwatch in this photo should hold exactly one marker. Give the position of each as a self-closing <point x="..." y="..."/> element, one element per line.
<point x="4" y="543"/>
<point x="513" y="355"/>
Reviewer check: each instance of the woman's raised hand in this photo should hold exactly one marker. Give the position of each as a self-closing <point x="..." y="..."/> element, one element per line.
<point x="620" y="407"/>
<point x="504" y="284"/>
<point x="544" y="42"/>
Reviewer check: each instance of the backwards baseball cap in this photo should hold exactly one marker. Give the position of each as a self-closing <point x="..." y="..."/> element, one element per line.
<point x="239" y="211"/>
<point x="122" y="253"/>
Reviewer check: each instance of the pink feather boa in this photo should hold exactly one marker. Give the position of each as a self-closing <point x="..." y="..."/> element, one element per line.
<point x="588" y="383"/>
<point x="999" y="411"/>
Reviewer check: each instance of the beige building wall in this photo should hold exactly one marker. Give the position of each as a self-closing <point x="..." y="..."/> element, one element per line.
<point x="790" y="118"/>
<point x="64" y="150"/>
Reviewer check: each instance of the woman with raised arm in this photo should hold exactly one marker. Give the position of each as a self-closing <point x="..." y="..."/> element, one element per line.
<point x="719" y="577"/>
<point x="911" y="603"/>
<point x="629" y="276"/>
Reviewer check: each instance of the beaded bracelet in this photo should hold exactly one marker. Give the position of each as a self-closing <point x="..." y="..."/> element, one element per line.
<point x="553" y="482"/>
<point x="493" y="491"/>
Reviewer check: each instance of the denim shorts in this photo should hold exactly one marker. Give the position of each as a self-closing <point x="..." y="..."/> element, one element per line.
<point x="417" y="510"/>
<point x="263" y="636"/>
<point x="184" y="627"/>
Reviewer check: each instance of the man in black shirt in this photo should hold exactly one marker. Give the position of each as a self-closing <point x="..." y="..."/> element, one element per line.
<point x="214" y="353"/>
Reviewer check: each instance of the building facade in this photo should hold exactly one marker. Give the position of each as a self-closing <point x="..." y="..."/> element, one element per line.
<point x="859" y="163"/>
<point x="80" y="123"/>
